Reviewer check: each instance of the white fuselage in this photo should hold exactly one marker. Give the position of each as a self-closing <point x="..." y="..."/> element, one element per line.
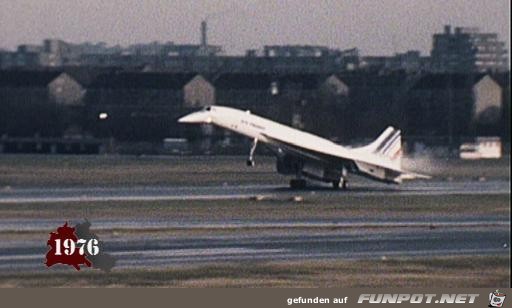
<point x="253" y="126"/>
<point x="264" y="130"/>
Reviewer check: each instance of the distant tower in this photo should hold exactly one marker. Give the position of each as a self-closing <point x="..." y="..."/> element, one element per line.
<point x="204" y="41"/>
<point x="205" y="49"/>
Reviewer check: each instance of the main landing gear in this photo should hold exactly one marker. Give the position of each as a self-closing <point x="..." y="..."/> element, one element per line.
<point x="297" y="183"/>
<point x="340" y="184"/>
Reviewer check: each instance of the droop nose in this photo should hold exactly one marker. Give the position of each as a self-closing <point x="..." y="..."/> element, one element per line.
<point x="196" y="117"/>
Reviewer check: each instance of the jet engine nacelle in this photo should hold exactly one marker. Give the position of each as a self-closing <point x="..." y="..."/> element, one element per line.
<point x="289" y="165"/>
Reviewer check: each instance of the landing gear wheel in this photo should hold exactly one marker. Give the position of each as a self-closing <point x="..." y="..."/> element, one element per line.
<point x="250" y="163"/>
<point x="297" y="184"/>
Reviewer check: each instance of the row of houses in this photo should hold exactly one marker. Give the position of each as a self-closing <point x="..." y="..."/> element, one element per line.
<point x="142" y="106"/>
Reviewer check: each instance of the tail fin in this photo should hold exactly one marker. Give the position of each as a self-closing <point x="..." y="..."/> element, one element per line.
<point x="388" y="144"/>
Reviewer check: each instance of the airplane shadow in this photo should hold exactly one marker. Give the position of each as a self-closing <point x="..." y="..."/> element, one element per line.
<point x="318" y="188"/>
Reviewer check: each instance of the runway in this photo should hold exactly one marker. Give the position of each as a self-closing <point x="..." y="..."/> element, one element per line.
<point x="157" y="252"/>
<point x="157" y="241"/>
<point x="152" y="224"/>
<point x="226" y="192"/>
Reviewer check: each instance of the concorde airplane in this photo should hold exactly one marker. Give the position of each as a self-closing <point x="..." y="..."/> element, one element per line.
<point x="305" y="155"/>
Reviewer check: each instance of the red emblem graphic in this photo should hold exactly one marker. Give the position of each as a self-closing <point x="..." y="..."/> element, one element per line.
<point x="62" y="248"/>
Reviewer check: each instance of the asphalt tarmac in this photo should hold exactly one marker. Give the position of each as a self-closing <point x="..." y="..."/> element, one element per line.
<point x="283" y="240"/>
<point x="164" y="251"/>
<point x="225" y="192"/>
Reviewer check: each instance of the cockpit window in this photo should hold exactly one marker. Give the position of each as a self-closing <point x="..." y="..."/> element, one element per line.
<point x="208" y="108"/>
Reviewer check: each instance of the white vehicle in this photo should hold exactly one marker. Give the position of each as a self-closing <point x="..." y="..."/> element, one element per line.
<point x="305" y="155"/>
<point x="483" y="148"/>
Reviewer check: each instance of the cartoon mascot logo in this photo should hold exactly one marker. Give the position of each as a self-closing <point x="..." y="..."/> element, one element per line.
<point x="496" y="298"/>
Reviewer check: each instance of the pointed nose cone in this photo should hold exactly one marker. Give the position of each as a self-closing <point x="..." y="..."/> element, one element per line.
<point x="196" y="117"/>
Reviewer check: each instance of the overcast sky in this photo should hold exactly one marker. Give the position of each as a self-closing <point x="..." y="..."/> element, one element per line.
<point x="374" y="26"/>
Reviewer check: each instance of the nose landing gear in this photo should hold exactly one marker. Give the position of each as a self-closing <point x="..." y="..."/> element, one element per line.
<point x="250" y="160"/>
